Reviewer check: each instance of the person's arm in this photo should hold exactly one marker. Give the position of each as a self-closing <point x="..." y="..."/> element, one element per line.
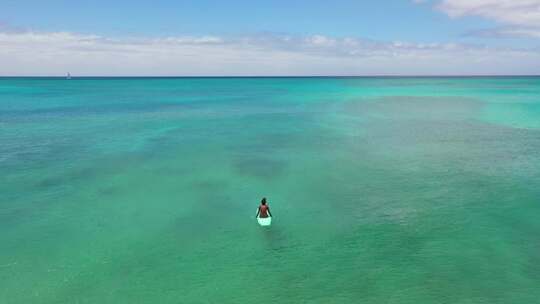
<point x="269" y="213"/>
<point x="258" y="211"/>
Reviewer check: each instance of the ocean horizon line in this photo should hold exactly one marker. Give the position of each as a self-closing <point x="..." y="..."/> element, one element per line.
<point x="263" y="76"/>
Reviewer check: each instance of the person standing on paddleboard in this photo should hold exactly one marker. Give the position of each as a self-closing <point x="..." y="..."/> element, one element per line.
<point x="264" y="210"/>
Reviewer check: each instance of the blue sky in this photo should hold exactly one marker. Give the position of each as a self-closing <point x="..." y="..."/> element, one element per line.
<point x="345" y="33"/>
<point x="381" y="20"/>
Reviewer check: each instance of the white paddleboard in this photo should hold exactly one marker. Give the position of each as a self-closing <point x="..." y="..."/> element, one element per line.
<point x="265" y="221"/>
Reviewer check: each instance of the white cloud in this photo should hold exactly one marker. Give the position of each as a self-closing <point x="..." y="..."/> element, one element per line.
<point x="55" y="53"/>
<point x="521" y="32"/>
<point x="507" y="32"/>
<point x="515" y="12"/>
<point x="520" y="17"/>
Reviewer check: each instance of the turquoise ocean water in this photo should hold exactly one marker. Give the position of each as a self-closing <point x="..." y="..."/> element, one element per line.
<point x="384" y="190"/>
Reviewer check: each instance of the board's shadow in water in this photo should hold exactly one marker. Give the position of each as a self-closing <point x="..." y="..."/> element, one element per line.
<point x="276" y="240"/>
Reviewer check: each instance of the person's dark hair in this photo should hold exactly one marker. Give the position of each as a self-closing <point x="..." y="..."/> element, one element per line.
<point x="263" y="201"/>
